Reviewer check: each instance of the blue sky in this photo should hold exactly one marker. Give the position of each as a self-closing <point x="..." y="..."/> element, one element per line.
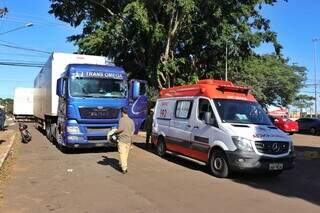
<point x="296" y="23"/>
<point x="47" y="34"/>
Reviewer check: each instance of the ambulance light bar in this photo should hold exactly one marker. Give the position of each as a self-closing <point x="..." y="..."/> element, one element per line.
<point x="232" y="88"/>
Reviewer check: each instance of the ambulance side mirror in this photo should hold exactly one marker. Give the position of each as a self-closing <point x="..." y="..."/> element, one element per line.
<point x="208" y="119"/>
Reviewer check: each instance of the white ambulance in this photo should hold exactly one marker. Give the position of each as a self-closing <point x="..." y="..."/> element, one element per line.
<point x="222" y="125"/>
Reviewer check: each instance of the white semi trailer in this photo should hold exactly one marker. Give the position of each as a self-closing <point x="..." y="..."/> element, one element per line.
<point x="23" y="103"/>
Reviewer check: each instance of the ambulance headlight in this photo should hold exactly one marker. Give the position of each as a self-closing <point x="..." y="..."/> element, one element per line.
<point x="73" y="129"/>
<point x="242" y="143"/>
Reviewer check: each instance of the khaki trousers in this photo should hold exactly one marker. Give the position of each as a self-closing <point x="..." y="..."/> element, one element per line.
<point x="124" y="149"/>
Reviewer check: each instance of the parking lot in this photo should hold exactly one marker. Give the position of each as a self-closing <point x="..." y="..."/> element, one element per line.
<point x="45" y="180"/>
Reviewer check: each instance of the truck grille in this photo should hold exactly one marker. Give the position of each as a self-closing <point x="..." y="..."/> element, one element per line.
<point x="99" y="113"/>
<point x="272" y="147"/>
<point x="98" y="129"/>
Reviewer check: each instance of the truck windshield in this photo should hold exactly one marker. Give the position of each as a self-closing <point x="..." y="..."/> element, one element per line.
<point x="244" y="112"/>
<point x="98" y="87"/>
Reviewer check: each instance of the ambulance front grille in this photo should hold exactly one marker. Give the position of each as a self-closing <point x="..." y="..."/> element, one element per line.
<point x="272" y="147"/>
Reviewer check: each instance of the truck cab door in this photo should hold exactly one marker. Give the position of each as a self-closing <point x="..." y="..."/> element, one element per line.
<point x="138" y="102"/>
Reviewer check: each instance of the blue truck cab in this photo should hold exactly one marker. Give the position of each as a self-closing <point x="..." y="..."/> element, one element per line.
<point x="90" y="100"/>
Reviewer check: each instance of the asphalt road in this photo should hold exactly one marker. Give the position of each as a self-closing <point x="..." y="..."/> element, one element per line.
<point x="45" y="180"/>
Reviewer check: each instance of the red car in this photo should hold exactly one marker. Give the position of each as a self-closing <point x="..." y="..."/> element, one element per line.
<point x="285" y="124"/>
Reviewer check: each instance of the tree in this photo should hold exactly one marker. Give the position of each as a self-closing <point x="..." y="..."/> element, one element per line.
<point x="8" y="104"/>
<point x="168" y="42"/>
<point x="303" y="102"/>
<point x="273" y="79"/>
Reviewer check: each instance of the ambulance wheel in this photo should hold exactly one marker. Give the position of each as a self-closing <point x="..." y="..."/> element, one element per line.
<point x="161" y="147"/>
<point x="218" y="164"/>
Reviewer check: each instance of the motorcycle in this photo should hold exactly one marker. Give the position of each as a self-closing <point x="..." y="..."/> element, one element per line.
<point x="25" y="134"/>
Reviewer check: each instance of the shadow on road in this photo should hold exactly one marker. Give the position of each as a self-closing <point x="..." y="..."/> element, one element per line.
<point x="174" y="159"/>
<point x="301" y="182"/>
<point x="307" y="148"/>
<point x="78" y="150"/>
<point x="114" y="163"/>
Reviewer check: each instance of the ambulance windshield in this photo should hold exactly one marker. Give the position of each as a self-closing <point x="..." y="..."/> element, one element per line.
<point x="239" y="111"/>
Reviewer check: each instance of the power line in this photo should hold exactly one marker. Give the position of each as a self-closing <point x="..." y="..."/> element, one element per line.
<point x="24" y="48"/>
<point x="21" y="64"/>
<point x="24" y="55"/>
<point x="20" y="61"/>
<point x="38" y="23"/>
<point x="14" y="80"/>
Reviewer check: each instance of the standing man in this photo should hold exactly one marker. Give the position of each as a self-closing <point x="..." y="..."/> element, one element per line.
<point x="2" y="117"/>
<point x="149" y="122"/>
<point x="125" y="131"/>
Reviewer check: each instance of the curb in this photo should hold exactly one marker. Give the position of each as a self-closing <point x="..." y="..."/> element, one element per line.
<point x="7" y="150"/>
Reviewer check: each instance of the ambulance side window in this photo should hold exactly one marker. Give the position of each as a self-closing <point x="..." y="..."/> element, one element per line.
<point x="183" y="109"/>
<point x="203" y="107"/>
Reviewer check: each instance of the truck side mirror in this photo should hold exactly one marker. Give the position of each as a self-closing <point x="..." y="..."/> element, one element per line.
<point x="135" y="89"/>
<point x="60" y="91"/>
<point x="208" y="119"/>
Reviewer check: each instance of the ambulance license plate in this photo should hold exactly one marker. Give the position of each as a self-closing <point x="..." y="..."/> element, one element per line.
<point x="275" y="166"/>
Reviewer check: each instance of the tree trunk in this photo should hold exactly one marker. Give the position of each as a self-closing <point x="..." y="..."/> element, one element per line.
<point x="173" y="26"/>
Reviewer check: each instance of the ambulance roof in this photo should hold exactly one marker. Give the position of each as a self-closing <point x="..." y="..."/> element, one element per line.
<point x="216" y="89"/>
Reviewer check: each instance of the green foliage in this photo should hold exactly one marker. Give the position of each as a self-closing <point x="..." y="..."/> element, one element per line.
<point x="273" y="79"/>
<point x="8" y="104"/>
<point x="303" y="101"/>
<point x="180" y="41"/>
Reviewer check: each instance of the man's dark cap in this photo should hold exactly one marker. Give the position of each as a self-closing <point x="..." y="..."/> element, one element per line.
<point x="124" y="110"/>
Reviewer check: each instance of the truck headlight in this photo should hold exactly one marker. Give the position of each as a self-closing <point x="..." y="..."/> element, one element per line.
<point x="242" y="143"/>
<point x="73" y="129"/>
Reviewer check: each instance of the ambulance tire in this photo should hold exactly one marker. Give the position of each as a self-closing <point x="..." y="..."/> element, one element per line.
<point x="218" y="164"/>
<point x="161" y="147"/>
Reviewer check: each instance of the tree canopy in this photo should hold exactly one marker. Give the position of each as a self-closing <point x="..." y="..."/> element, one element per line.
<point x="303" y="102"/>
<point x="172" y="42"/>
<point x="273" y="79"/>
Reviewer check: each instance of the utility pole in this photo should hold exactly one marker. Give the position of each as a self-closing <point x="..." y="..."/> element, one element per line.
<point x="226" y="71"/>
<point x="315" y="40"/>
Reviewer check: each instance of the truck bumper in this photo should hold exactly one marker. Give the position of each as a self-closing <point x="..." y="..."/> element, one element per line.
<point x="88" y="145"/>
<point x="81" y="141"/>
<point x="251" y="162"/>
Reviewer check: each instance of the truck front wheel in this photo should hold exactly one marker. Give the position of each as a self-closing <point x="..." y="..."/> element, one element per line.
<point x="48" y="130"/>
<point x="218" y="164"/>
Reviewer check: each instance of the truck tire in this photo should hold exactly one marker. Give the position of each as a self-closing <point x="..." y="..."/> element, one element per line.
<point x="49" y="134"/>
<point x="218" y="164"/>
<point x="59" y="143"/>
<point x="161" y="147"/>
<point x="47" y="128"/>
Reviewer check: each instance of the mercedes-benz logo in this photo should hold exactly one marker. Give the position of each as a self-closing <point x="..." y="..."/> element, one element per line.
<point x="275" y="147"/>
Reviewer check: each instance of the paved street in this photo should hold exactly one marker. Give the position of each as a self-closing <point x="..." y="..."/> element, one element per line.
<point x="45" y="180"/>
